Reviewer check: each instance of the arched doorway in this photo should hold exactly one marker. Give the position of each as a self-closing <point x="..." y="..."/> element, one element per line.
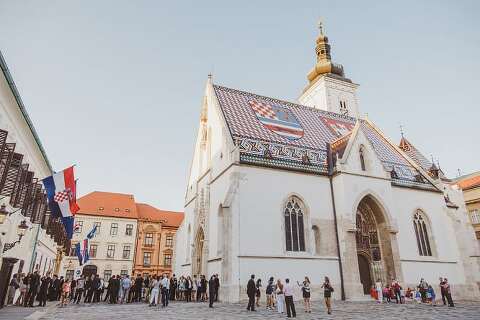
<point x="374" y="248"/>
<point x="89" y="269"/>
<point x="364" y="269"/>
<point x="198" y="253"/>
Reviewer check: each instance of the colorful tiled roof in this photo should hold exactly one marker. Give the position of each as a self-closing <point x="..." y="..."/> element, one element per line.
<point x="415" y="154"/>
<point x="169" y="218"/>
<point x="260" y="145"/>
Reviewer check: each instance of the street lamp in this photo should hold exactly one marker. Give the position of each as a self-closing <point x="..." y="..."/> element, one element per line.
<point x="3" y="213"/>
<point x="21" y="230"/>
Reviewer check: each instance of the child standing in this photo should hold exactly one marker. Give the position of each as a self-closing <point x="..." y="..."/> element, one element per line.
<point x="418" y="296"/>
<point x="65" y="292"/>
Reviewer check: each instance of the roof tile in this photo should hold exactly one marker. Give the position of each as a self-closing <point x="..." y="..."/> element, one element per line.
<point x="259" y="144"/>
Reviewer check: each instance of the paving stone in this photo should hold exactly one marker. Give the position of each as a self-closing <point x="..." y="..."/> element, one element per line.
<point x="200" y="311"/>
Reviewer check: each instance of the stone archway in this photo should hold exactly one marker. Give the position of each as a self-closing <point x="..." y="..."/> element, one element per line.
<point x="198" y="254"/>
<point x="375" y="254"/>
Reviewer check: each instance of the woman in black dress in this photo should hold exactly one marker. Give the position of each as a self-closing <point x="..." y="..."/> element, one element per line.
<point x="258" y="285"/>
<point x="305" y="286"/>
<point x="327" y="294"/>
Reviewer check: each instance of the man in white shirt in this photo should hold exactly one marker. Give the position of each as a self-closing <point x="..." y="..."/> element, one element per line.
<point x="194" y="288"/>
<point x="165" y="284"/>
<point x="288" y="291"/>
<point x="126" y="285"/>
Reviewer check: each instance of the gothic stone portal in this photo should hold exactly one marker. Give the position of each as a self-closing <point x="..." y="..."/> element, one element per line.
<point x="374" y="248"/>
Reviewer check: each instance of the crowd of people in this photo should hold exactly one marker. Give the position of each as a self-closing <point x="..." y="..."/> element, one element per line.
<point x="25" y="290"/>
<point x="422" y="293"/>
<point x="280" y="295"/>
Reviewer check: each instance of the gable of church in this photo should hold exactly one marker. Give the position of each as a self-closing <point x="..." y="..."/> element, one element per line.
<point x="358" y="155"/>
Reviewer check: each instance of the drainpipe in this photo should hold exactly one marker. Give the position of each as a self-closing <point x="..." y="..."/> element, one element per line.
<point x="34" y="256"/>
<point x="330" y="178"/>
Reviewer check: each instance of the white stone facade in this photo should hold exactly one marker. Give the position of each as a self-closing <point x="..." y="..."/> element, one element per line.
<point x="14" y="119"/>
<point x="116" y="263"/>
<point x="234" y="216"/>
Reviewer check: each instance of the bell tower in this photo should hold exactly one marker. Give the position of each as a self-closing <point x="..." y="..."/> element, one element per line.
<point x="328" y="88"/>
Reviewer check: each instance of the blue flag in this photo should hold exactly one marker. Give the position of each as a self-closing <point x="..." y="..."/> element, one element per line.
<point x="92" y="232"/>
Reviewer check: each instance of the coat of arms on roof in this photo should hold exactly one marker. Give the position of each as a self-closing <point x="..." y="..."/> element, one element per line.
<point x="280" y="120"/>
<point x="338" y="127"/>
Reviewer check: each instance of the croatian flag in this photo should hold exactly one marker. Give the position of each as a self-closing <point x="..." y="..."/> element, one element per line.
<point x="81" y="249"/>
<point x="62" y="199"/>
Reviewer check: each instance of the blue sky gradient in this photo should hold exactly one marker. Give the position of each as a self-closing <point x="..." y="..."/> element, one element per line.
<point x="116" y="86"/>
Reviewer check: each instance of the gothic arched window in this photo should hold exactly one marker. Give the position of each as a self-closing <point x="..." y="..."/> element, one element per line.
<point x="362" y="159"/>
<point x="294" y="212"/>
<point x="422" y="234"/>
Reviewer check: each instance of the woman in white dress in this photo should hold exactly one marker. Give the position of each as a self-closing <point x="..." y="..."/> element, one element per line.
<point x="379" y="288"/>
<point x="155" y="285"/>
<point x="280" y="297"/>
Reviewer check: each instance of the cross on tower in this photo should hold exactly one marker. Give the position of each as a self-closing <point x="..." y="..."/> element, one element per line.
<point x="320" y="26"/>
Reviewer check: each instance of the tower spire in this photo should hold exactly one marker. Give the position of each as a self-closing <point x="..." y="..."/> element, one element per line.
<point x="324" y="63"/>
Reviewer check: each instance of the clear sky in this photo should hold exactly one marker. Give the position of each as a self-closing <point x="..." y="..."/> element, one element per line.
<point x="116" y="86"/>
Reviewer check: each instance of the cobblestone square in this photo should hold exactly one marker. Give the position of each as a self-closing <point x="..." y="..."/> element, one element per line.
<point x="199" y="311"/>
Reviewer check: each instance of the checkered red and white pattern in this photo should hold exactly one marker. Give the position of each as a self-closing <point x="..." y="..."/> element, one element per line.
<point x="263" y="109"/>
<point x="62" y="196"/>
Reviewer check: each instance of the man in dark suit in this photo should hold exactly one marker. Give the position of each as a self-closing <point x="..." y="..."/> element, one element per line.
<point x="211" y="291"/>
<point x="217" y="286"/>
<point x="59" y="289"/>
<point x="137" y="288"/>
<point x="32" y="292"/>
<point x="96" y="286"/>
<point x="251" y="290"/>
<point x="89" y="290"/>
<point x="116" y="288"/>
<point x="111" y="289"/>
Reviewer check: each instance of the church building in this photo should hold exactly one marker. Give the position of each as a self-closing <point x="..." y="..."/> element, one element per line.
<point x="311" y="188"/>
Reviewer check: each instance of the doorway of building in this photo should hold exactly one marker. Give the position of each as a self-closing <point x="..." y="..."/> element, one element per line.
<point x="89" y="269"/>
<point x="374" y="248"/>
<point x="365" y="273"/>
<point x="5" y="275"/>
